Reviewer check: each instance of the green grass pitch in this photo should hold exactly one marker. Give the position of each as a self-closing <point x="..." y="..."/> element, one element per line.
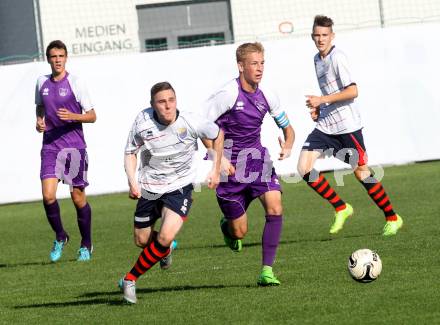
<point x="209" y="284"/>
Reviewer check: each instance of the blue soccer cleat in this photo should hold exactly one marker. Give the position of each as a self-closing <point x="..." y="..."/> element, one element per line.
<point x="57" y="249"/>
<point x="84" y="254"/>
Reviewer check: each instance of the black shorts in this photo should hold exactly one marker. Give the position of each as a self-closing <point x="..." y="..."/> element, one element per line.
<point x="348" y="147"/>
<point x="149" y="206"/>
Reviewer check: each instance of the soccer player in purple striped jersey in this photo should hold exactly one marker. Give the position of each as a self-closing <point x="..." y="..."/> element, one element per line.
<point x="239" y="108"/>
<point x="338" y="131"/>
<point x="62" y="105"/>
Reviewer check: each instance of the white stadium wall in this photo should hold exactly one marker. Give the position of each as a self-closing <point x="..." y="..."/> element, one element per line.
<point x="395" y="69"/>
<point x="91" y="27"/>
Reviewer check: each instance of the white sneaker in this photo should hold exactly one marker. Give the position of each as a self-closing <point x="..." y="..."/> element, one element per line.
<point x="129" y="289"/>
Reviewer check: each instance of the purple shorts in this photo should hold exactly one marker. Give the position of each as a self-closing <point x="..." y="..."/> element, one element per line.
<point x="69" y="165"/>
<point x="234" y="197"/>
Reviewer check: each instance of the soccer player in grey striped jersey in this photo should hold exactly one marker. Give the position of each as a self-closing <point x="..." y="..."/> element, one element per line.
<point x="338" y="131"/>
<point x="166" y="140"/>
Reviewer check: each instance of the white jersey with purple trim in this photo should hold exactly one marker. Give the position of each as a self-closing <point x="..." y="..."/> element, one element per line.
<point x="333" y="76"/>
<point x="167" y="151"/>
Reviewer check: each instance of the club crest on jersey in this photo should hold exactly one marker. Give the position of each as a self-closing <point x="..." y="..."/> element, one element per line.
<point x="260" y="105"/>
<point x="182" y="133"/>
<point x="63" y="92"/>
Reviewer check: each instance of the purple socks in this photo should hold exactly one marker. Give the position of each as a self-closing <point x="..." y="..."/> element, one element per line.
<point x="84" y="215"/>
<point x="271" y="238"/>
<point x="54" y="218"/>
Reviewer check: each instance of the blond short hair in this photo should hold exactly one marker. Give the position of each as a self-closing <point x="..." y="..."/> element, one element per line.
<point x="246" y="48"/>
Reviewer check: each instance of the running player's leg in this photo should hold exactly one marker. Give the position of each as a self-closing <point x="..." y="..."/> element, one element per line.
<point x="358" y="159"/>
<point x="49" y="188"/>
<point x="271" y="201"/>
<point x="316" y="180"/>
<point x="233" y="224"/>
<point x="78" y="184"/>
<point x="84" y="219"/>
<point x="157" y="248"/>
<point x="316" y="145"/>
<point x="320" y="185"/>
<point x="145" y="217"/>
<point x="378" y="194"/>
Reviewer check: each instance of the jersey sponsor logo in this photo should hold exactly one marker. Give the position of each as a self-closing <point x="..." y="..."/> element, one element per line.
<point x="46" y="92"/>
<point x="63" y="92"/>
<point x="239" y="106"/>
<point x="182" y="133"/>
<point x="306" y="144"/>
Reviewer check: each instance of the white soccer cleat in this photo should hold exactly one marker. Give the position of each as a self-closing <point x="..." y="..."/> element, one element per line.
<point x="129" y="289"/>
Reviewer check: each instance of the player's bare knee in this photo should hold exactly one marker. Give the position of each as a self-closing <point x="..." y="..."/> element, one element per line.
<point x="79" y="199"/>
<point x="49" y="198"/>
<point x="275" y="211"/>
<point x="165" y="239"/>
<point x="140" y="242"/>
<point x="303" y="168"/>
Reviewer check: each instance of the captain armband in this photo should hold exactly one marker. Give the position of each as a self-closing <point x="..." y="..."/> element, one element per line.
<point x="282" y="120"/>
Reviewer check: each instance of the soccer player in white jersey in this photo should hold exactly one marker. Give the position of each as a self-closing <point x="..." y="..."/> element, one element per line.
<point x="338" y="131"/>
<point x="239" y="108"/>
<point x="166" y="140"/>
<point x="62" y="105"/>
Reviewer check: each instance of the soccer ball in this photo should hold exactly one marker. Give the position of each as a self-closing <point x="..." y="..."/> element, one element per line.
<point x="364" y="265"/>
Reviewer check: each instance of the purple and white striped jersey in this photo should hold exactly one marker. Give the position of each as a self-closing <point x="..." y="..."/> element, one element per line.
<point x="240" y="115"/>
<point x="71" y="93"/>
<point x="333" y="76"/>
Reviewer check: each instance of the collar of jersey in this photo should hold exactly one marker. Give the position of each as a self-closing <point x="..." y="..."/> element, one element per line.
<point x="247" y="92"/>
<point x="53" y="80"/>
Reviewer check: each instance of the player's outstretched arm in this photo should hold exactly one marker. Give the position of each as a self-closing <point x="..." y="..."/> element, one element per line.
<point x="287" y="144"/>
<point x="216" y="153"/>
<point x="65" y="115"/>
<point x="130" y="163"/>
<point x="226" y="167"/>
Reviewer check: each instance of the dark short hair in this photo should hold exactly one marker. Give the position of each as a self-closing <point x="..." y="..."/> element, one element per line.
<point x="57" y="44"/>
<point x="164" y="85"/>
<point x="323" y="21"/>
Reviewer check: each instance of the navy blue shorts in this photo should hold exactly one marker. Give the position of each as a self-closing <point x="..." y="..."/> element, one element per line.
<point x="348" y="147"/>
<point x="149" y="206"/>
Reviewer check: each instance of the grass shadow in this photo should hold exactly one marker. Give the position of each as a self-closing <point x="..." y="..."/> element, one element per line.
<point x="111" y="301"/>
<point x="12" y="265"/>
<point x="288" y="242"/>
